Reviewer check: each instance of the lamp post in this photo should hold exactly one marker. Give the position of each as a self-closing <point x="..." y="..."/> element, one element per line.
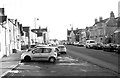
<point x="35" y="19"/>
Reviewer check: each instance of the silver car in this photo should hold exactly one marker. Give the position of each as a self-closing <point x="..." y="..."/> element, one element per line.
<point x="62" y="49"/>
<point x="41" y="53"/>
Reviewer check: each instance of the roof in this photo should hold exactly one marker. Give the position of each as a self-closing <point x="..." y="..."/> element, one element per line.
<point x="117" y="31"/>
<point x="111" y="22"/>
<point x="102" y="21"/>
<point x="74" y="31"/>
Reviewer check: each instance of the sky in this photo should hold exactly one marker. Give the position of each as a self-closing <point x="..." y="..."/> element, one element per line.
<point x="57" y="15"/>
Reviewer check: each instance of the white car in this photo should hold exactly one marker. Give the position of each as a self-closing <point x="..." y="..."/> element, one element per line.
<point x="41" y="53"/>
<point x="90" y="43"/>
<point x="62" y="49"/>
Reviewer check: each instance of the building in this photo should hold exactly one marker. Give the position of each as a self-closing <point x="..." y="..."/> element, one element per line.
<point x="33" y="37"/>
<point x="83" y="35"/>
<point x="42" y="35"/>
<point x="75" y="35"/>
<point x="110" y="27"/>
<point x="3" y="20"/>
<point x="71" y="36"/>
<point x="99" y="30"/>
<point x="119" y="9"/>
<point x="10" y="35"/>
<point x="103" y="30"/>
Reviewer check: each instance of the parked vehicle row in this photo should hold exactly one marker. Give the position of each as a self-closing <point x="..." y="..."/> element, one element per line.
<point x="98" y="46"/>
<point x="112" y="47"/>
<point x="106" y="47"/>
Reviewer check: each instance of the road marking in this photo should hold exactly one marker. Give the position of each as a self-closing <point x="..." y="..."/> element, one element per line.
<point x="13" y="66"/>
<point x="83" y="64"/>
<point x="96" y="61"/>
<point x="67" y="59"/>
<point x="14" y="71"/>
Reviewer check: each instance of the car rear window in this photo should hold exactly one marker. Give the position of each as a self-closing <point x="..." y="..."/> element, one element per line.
<point x="92" y="41"/>
<point x="60" y="46"/>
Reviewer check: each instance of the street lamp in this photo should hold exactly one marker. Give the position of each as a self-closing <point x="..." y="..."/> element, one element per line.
<point x="35" y="19"/>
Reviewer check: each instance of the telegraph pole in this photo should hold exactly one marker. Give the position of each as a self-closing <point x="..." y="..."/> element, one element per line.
<point x="35" y="19"/>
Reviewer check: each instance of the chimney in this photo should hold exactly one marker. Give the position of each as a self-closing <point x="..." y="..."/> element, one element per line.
<point x="39" y="28"/>
<point x="71" y="28"/>
<point x="96" y="20"/>
<point x="76" y="28"/>
<point x="2" y="12"/>
<point x="100" y="19"/>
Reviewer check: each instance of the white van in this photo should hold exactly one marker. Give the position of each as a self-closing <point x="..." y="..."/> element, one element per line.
<point x="90" y="43"/>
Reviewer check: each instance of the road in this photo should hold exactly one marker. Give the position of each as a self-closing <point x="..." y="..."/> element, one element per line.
<point x="70" y="64"/>
<point x="99" y="57"/>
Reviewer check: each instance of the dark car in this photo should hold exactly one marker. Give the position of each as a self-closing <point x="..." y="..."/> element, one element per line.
<point x="117" y="48"/>
<point x="98" y="46"/>
<point x="109" y="47"/>
<point x="81" y="44"/>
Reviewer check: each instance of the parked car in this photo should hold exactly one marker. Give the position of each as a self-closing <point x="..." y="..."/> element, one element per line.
<point x="81" y="44"/>
<point x="90" y="43"/>
<point x="109" y="47"/>
<point x="62" y="49"/>
<point x="98" y="46"/>
<point x="117" y="48"/>
<point x="76" y="43"/>
<point x="41" y="53"/>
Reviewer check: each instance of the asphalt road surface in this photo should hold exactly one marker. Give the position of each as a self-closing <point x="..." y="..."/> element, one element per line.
<point x="71" y="64"/>
<point x="105" y="59"/>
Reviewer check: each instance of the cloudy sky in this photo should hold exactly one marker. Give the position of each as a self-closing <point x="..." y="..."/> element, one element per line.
<point x="57" y="15"/>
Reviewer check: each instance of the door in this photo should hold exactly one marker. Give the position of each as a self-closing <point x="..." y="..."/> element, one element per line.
<point x="36" y="53"/>
<point x="46" y="53"/>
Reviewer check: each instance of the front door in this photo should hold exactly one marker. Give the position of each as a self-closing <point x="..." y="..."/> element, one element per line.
<point x="37" y="53"/>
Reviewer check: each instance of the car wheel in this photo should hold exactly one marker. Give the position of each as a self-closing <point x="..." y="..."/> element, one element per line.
<point x="27" y="59"/>
<point x="52" y="59"/>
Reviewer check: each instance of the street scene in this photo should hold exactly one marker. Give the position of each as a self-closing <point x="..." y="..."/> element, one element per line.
<point x="33" y="46"/>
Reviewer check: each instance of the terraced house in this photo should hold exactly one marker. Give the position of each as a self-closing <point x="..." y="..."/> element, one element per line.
<point x="74" y="35"/>
<point x="10" y="35"/>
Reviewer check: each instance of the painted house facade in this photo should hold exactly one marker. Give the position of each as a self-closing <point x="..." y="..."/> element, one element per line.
<point x="10" y="35"/>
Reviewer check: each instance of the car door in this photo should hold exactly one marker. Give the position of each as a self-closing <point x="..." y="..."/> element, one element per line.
<point x="36" y="53"/>
<point x="46" y="53"/>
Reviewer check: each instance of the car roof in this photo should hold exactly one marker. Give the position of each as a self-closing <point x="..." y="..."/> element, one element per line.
<point x="48" y="47"/>
<point x="60" y="45"/>
<point x="90" y="40"/>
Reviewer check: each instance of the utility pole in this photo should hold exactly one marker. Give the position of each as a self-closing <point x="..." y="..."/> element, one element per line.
<point x="35" y="28"/>
<point x="35" y="19"/>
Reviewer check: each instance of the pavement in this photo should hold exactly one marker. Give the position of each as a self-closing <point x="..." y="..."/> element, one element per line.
<point x="10" y="62"/>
